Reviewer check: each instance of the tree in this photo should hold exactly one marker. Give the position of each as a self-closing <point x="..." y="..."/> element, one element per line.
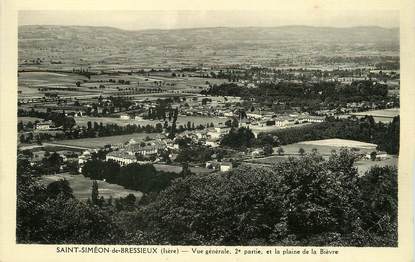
<point x="185" y="169"/>
<point x="301" y="151"/>
<point x="51" y="163"/>
<point x="68" y="123"/>
<point x="29" y="125"/>
<point x="44" y="217"/>
<point x="95" y="193"/>
<point x="280" y="151"/>
<point x="225" y="217"/>
<point x="308" y="201"/>
<point x="373" y="155"/>
<point x="379" y="194"/>
<point x="20" y="126"/>
<point x="238" y="138"/>
<point x="59" y="188"/>
<point x="228" y="123"/>
<point x="268" y="150"/>
<point x="172" y="132"/>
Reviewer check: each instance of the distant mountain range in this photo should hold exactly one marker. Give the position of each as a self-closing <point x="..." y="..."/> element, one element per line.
<point x="238" y="44"/>
<point x="369" y="33"/>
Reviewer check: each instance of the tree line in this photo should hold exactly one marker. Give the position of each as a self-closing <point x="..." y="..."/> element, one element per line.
<point x="304" y="94"/>
<point x="364" y="129"/>
<point x="144" y="178"/>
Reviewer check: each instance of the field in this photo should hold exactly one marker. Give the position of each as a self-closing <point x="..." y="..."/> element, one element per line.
<point x="83" y="121"/>
<point x="33" y="84"/>
<point x="99" y="142"/>
<point x="325" y="148"/>
<point x="28" y="119"/>
<point x="365" y="164"/>
<point x="30" y="82"/>
<point x="178" y="169"/>
<point x="51" y="148"/>
<point x="384" y="115"/>
<point x="362" y="165"/>
<point x="269" y="129"/>
<point x="181" y="120"/>
<point x="82" y="187"/>
<point x="384" y="112"/>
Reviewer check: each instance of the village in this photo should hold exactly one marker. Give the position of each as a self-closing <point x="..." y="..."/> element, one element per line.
<point x="175" y="126"/>
<point x="206" y="136"/>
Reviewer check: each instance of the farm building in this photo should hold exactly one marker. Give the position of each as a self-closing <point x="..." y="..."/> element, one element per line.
<point x="46" y="125"/>
<point x="121" y="157"/>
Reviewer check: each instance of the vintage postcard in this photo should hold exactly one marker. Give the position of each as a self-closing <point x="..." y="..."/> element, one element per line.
<point x="192" y="130"/>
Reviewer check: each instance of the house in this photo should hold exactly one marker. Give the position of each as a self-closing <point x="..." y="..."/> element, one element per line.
<point x="379" y="155"/>
<point x="257" y="152"/>
<point x="211" y="143"/>
<point x="125" y="117"/>
<point x="82" y="159"/>
<point x="254" y="116"/>
<point x="68" y="155"/>
<point x="311" y="119"/>
<point x="315" y="119"/>
<point x="143" y="150"/>
<point x="38" y="156"/>
<point x="213" y="165"/>
<point x="46" y="125"/>
<point x="282" y="122"/>
<point x="225" y="166"/>
<point x="217" y="132"/>
<point x="244" y="123"/>
<point x="200" y="134"/>
<point x="121" y="157"/>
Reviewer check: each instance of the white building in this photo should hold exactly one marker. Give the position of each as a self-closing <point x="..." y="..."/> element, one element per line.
<point x="82" y="159"/>
<point x="217" y="132"/>
<point x="121" y="157"/>
<point x="225" y="166"/>
<point x="125" y="117"/>
<point x="46" y="125"/>
<point x="211" y="143"/>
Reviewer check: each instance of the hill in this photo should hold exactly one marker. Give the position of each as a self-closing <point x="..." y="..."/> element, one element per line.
<point x="246" y="45"/>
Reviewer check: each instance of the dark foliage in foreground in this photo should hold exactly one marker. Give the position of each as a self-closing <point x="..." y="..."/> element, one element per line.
<point x="306" y="201"/>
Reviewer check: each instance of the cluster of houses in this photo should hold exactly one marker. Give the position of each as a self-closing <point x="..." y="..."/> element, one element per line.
<point x="45" y="125"/>
<point x="138" y="152"/>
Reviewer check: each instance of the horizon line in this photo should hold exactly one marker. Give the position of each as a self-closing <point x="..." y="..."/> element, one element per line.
<point x="215" y="27"/>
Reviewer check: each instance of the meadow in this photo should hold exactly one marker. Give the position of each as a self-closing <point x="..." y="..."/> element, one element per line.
<point x="383" y="115"/>
<point x="181" y="120"/>
<point x="99" y="142"/>
<point x="27" y="119"/>
<point x="325" y="148"/>
<point x="82" y="186"/>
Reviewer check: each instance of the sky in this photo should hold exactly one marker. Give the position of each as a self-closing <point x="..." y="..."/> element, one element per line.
<point x="141" y="20"/>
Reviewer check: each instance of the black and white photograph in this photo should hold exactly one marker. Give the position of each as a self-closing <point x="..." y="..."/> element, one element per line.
<point x="208" y="128"/>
